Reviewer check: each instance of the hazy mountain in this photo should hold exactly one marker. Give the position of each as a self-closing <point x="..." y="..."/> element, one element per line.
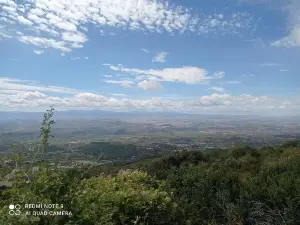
<point x="15" y="115"/>
<point x="92" y="114"/>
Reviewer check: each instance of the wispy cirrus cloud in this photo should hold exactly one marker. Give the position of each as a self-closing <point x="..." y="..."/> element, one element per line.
<point x="248" y="75"/>
<point x="217" y="89"/>
<point x="3" y="35"/>
<point x="269" y="64"/>
<point x="145" y="50"/>
<point x="123" y="83"/>
<point x="119" y="95"/>
<point x="17" y="85"/>
<point x="63" y="24"/>
<point x="78" y="58"/>
<point x="233" y="82"/>
<point x="284" y="70"/>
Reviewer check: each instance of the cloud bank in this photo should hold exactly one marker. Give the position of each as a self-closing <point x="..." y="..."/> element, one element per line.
<point x="18" y="94"/>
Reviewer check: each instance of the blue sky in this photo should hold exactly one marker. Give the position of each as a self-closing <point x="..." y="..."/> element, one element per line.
<point x="217" y="56"/>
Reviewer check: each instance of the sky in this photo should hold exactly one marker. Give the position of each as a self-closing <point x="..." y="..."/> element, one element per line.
<point x="204" y="56"/>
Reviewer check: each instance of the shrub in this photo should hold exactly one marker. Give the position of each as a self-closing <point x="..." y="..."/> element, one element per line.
<point x="128" y="198"/>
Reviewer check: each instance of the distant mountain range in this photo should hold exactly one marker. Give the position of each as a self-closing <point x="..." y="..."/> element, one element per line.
<point x="13" y="115"/>
<point x="92" y="114"/>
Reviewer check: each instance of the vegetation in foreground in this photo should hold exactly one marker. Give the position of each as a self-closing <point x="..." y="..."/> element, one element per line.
<point x="241" y="185"/>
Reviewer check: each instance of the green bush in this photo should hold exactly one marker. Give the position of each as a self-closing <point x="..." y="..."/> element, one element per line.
<point x="277" y="188"/>
<point x="207" y="195"/>
<point x="128" y="198"/>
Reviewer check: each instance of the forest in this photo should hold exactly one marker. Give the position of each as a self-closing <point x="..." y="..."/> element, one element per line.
<point x="238" y="186"/>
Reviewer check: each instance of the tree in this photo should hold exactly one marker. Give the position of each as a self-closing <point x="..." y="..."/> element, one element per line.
<point x="46" y="127"/>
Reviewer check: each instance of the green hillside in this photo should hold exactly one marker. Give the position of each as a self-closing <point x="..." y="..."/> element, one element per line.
<point x="237" y="186"/>
<point x="241" y="185"/>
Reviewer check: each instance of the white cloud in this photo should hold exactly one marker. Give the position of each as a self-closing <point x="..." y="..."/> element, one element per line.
<point x="119" y="95"/>
<point x="233" y="82"/>
<point x="160" y="57"/>
<point x="244" y="102"/>
<point x="78" y="58"/>
<point x="74" y="37"/>
<point x="293" y="40"/>
<point x="67" y="20"/>
<point x="65" y="25"/>
<point x="37" y="11"/>
<point x="258" y="42"/>
<point x="23" y="20"/>
<point x="248" y="75"/>
<point x="38" y="52"/>
<point x="45" y="43"/>
<point x="210" y="104"/>
<point x="145" y="50"/>
<point x="219" y="74"/>
<point x="42" y="28"/>
<point x="108" y="76"/>
<point x="3" y="35"/>
<point x="7" y="79"/>
<point x="16" y="85"/>
<point x="284" y="70"/>
<point x="11" y="91"/>
<point x="11" y="9"/>
<point x="150" y="85"/>
<point x="8" y="2"/>
<point x="292" y="8"/>
<point x="188" y="75"/>
<point x="270" y="64"/>
<point x="123" y="83"/>
<point x="218" y="89"/>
